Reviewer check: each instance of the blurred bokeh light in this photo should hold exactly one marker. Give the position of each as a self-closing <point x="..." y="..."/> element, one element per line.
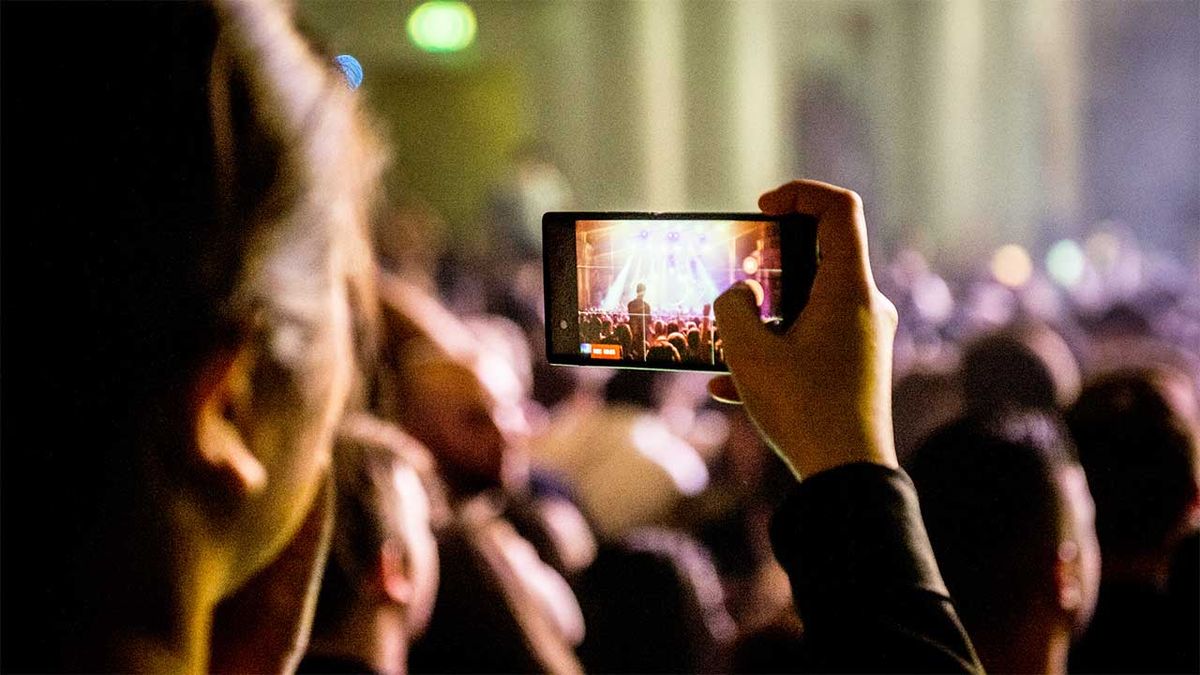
<point x="1066" y="263"/>
<point x="1012" y="266"/>
<point x="441" y="26"/>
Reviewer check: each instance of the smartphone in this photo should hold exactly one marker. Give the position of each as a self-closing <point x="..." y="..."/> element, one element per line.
<point x="635" y="290"/>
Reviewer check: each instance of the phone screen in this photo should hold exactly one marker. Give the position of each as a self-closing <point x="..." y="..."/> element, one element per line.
<point x="637" y="291"/>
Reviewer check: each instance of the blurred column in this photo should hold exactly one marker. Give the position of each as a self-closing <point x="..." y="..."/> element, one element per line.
<point x="660" y="53"/>
<point x="757" y="102"/>
<point x="894" y="218"/>
<point x="564" y="45"/>
<point x="910" y="56"/>
<point x="708" y="116"/>
<point x="939" y="155"/>
<point x="1015" y="190"/>
<point x="588" y="75"/>
<point x="960" y="108"/>
<point x="1058" y="48"/>
<point x="983" y="145"/>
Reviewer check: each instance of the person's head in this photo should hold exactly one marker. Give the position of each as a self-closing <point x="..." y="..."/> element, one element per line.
<point x="591" y="328"/>
<point x="693" y="341"/>
<point x="383" y="558"/>
<point x="624" y="337"/>
<point x="207" y="206"/>
<point x="467" y="411"/>
<point x="672" y="327"/>
<point x="1008" y="513"/>
<point x="663" y="351"/>
<point x="679" y="342"/>
<point x="640" y="290"/>
<point x="1138" y="443"/>
<point x="1022" y="367"/>
<point x="922" y="401"/>
<point x="660" y="327"/>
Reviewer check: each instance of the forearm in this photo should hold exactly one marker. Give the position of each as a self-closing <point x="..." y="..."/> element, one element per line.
<point x="864" y="578"/>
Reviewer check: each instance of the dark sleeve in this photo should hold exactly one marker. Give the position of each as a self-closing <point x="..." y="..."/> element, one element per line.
<point x="864" y="578"/>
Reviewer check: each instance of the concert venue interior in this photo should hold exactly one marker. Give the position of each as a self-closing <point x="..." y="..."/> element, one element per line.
<point x="680" y="266"/>
<point x="280" y="391"/>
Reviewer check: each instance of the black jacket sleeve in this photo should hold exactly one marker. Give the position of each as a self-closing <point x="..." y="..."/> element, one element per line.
<point x="864" y="578"/>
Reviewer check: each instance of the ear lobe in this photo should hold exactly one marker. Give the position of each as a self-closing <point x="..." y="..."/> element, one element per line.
<point x="394" y="576"/>
<point x="219" y="448"/>
<point x="1068" y="576"/>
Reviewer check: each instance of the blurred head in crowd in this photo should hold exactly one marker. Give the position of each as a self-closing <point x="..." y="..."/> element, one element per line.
<point x="467" y="411"/>
<point x="1137" y="438"/>
<point x="199" y="178"/>
<point x="409" y="239"/>
<point x="922" y="401"/>
<point x="535" y="185"/>
<point x="380" y="580"/>
<point x="1012" y="526"/>
<point x="1020" y="367"/>
<point x="453" y="385"/>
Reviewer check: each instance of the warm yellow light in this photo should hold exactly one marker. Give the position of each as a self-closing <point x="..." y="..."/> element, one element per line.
<point x="1012" y="266"/>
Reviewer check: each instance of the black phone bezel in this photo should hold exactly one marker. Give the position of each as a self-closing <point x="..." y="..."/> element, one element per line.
<point x="799" y="257"/>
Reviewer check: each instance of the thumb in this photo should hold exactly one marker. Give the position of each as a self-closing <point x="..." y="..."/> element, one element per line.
<point x="746" y="340"/>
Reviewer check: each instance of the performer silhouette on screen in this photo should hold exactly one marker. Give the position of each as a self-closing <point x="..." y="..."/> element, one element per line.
<point x="639" y="314"/>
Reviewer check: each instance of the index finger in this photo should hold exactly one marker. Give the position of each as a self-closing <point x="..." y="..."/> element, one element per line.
<point x="841" y="226"/>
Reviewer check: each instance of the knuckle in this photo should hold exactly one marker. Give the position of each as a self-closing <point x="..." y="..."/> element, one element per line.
<point x="884" y="308"/>
<point x="851" y="199"/>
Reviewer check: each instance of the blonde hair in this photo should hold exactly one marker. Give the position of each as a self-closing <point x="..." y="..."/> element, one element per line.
<point x="310" y="226"/>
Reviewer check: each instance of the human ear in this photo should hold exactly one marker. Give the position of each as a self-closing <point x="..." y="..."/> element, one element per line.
<point x="394" y="574"/>
<point x="218" y="409"/>
<point x="1068" y="577"/>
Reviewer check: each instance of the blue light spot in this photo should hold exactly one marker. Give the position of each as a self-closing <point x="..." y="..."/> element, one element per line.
<point x="351" y="68"/>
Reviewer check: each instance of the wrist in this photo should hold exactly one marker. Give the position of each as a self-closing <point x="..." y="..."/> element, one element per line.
<point x="808" y="458"/>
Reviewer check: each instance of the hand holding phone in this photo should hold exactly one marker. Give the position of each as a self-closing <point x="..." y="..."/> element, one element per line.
<point x="820" y="392"/>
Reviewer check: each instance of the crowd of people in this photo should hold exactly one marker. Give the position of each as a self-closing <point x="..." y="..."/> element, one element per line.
<point x="655" y="337"/>
<point x="257" y="441"/>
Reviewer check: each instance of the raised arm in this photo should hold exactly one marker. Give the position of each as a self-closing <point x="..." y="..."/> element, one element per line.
<point x="850" y="537"/>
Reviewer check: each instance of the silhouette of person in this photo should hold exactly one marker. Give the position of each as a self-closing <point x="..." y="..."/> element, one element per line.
<point x="639" y="315"/>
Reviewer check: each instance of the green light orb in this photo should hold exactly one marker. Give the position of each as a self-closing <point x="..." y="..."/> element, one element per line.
<point x="1066" y="262"/>
<point x="442" y="26"/>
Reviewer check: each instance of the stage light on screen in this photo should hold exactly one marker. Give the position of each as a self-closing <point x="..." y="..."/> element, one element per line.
<point x="442" y="26"/>
<point x="676" y="265"/>
<point x="1012" y="266"/>
<point x="750" y="264"/>
<point x="1066" y="263"/>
